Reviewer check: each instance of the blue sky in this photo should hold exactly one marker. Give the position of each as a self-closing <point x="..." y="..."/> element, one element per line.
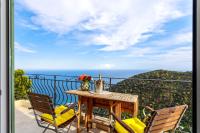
<point x="102" y="34"/>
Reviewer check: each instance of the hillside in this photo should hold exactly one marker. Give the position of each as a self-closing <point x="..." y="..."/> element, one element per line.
<point x="164" y="74"/>
<point x="160" y="93"/>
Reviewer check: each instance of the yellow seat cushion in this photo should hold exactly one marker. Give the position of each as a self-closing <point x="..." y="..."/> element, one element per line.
<point x="134" y="123"/>
<point x="60" y="118"/>
<point x="59" y="109"/>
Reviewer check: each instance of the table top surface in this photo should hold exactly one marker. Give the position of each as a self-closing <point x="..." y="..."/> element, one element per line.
<point x="106" y="95"/>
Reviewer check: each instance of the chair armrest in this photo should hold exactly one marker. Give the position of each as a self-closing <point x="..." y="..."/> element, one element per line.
<point x="122" y="123"/>
<point x="71" y="106"/>
<point x="147" y="116"/>
<point x="149" y="108"/>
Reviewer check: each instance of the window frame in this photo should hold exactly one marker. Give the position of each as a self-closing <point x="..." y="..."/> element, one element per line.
<point x="7" y="66"/>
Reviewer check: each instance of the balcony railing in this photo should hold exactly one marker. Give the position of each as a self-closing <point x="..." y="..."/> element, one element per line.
<point x="157" y="93"/>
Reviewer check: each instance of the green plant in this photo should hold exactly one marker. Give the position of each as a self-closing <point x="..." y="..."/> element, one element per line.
<point x="22" y="84"/>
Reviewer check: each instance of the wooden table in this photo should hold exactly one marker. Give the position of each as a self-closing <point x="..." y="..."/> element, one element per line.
<point x="119" y="101"/>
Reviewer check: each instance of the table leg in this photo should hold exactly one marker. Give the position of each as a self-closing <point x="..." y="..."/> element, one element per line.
<point x="89" y="112"/>
<point x="86" y="119"/>
<point x="118" y="110"/>
<point x="86" y="114"/>
<point x="111" y="110"/>
<point x="110" y="116"/>
<point x="79" y="114"/>
<point x="135" y="112"/>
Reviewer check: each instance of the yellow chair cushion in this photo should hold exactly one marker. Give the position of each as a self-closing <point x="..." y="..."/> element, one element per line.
<point x="60" y="118"/>
<point x="134" y="123"/>
<point x="59" y="109"/>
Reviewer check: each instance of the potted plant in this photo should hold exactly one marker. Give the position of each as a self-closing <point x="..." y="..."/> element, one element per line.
<point x="85" y="82"/>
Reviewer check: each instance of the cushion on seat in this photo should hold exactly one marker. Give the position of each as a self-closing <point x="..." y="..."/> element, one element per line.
<point x="60" y="118"/>
<point x="134" y="123"/>
<point x="59" y="109"/>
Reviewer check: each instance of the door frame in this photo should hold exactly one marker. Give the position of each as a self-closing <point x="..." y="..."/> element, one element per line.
<point x="196" y="65"/>
<point x="6" y="67"/>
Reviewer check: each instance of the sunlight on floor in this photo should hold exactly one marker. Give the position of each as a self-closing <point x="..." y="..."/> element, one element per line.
<point x="25" y="121"/>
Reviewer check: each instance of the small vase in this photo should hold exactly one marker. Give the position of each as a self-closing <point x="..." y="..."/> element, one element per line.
<point x="85" y="86"/>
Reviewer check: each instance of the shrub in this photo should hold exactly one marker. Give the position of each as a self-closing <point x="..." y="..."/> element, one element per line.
<point x="22" y="84"/>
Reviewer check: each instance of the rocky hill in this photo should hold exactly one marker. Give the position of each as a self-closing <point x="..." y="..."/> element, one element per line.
<point x="160" y="89"/>
<point x="165" y="75"/>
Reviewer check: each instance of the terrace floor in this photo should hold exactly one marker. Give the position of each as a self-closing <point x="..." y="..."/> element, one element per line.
<point x="25" y="121"/>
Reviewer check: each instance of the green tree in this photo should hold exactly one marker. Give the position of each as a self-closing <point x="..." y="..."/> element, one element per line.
<point x="22" y="84"/>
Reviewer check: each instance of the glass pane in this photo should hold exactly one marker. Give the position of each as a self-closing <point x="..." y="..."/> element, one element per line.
<point x="140" y="48"/>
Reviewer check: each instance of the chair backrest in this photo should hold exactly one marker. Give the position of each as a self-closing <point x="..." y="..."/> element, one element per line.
<point x="41" y="103"/>
<point x="165" y="119"/>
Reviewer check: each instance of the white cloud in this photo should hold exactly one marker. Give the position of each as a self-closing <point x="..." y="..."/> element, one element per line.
<point x="180" y="38"/>
<point x="139" y="52"/>
<point x="107" y="66"/>
<point x="184" y="37"/>
<point x="120" y="24"/>
<point x="27" y="24"/>
<point x="178" y="54"/>
<point x="21" y="48"/>
<point x="178" y="58"/>
<point x="175" y="59"/>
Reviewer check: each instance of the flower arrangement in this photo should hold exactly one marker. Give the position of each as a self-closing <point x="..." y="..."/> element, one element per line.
<point x="85" y="78"/>
<point x="85" y="85"/>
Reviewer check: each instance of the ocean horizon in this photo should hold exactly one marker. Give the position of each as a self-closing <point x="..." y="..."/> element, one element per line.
<point x="63" y="84"/>
<point x="93" y="73"/>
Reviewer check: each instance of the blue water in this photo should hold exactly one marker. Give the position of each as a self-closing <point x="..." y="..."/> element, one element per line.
<point x="40" y="86"/>
<point x="93" y="73"/>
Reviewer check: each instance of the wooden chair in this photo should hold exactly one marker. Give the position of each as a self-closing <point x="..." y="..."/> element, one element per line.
<point x="49" y="117"/>
<point x="161" y="120"/>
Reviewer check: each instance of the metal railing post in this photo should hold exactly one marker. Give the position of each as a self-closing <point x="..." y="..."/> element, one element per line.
<point x="110" y="83"/>
<point x="54" y="90"/>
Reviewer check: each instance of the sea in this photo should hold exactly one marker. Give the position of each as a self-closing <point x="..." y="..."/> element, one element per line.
<point x="61" y="97"/>
<point x="93" y="73"/>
